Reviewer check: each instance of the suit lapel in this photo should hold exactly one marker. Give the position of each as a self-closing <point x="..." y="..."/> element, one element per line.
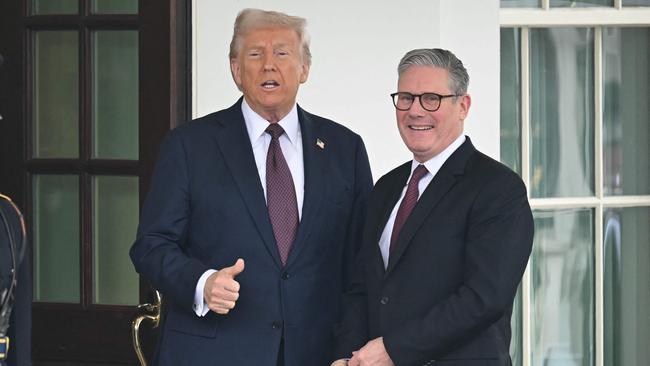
<point x="315" y="165"/>
<point x="236" y="149"/>
<point x="445" y="179"/>
<point x="389" y="199"/>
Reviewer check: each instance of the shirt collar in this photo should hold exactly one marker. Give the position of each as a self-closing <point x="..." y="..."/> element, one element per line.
<point x="256" y="125"/>
<point x="435" y="163"/>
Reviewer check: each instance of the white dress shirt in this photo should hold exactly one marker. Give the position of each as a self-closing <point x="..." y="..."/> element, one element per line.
<point x="433" y="165"/>
<point x="291" y="144"/>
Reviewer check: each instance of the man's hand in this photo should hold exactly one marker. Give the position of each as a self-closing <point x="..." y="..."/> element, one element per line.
<point x="221" y="291"/>
<point x="372" y="354"/>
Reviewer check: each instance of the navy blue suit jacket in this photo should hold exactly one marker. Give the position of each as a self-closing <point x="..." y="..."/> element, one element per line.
<point x="446" y="295"/>
<point x="20" y="323"/>
<point x="206" y="208"/>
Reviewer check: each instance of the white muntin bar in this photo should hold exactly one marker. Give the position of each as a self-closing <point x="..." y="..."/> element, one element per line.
<point x="526" y="289"/>
<point x="560" y="17"/>
<point x="598" y="170"/>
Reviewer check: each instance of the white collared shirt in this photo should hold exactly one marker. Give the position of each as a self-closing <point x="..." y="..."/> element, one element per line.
<point x="291" y="144"/>
<point x="433" y="165"/>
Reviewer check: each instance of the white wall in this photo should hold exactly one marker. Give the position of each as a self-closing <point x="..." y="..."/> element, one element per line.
<point x="356" y="45"/>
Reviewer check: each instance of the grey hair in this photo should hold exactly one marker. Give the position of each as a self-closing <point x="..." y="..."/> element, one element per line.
<point x="437" y="57"/>
<point x="251" y="19"/>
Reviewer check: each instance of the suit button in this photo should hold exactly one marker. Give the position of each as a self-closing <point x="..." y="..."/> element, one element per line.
<point x="285" y="276"/>
<point x="384" y="300"/>
<point x="276" y="325"/>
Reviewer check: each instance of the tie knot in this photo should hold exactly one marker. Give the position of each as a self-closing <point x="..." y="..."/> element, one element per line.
<point x="418" y="173"/>
<point x="275" y="130"/>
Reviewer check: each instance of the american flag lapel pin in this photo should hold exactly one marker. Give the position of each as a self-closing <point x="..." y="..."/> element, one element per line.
<point x="320" y="144"/>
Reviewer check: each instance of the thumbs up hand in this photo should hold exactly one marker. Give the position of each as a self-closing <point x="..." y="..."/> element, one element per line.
<point x="221" y="291"/>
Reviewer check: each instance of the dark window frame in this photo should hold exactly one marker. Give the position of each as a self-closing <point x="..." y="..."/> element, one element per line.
<point x="79" y="333"/>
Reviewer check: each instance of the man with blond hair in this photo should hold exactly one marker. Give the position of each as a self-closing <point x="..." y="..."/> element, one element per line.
<point x="254" y="213"/>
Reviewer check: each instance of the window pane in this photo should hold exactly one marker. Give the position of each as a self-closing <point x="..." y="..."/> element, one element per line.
<point x="114" y="224"/>
<point x="636" y="2"/>
<point x="626" y="117"/>
<point x="56" y="238"/>
<point x="45" y="7"/>
<point x="562" y="112"/>
<point x="511" y="98"/>
<point x="114" y="6"/>
<point x="115" y="94"/>
<point x="517" y="331"/>
<point x="56" y="94"/>
<point x="626" y="286"/>
<point x="562" y="300"/>
<point x="580" y="3"/>
<point x="520" y="3"/>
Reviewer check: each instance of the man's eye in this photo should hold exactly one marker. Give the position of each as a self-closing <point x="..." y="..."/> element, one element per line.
<point x="406" y="97"/>
<point x="253" y="54"/>
<point x="430" y="98"/>
<point x="281" y="53"/>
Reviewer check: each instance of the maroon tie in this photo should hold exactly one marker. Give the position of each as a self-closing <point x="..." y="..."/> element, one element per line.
<point x="280" y="194"/>
<point x="409" y="201"/>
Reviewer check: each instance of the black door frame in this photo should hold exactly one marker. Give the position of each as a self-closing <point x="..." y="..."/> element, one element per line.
<point x="84" y="334"/>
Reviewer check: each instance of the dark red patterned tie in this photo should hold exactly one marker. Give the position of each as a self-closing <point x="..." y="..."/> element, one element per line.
<point x="409" y="201"/>
<point x="280" y="194"/>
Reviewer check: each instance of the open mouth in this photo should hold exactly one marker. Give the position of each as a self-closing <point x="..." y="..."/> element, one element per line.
<point x="270" y="84"/>
<point x="420" y="128"/>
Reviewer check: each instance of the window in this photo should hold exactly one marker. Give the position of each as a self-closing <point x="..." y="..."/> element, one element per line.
<point x="575" y="124"/>
<point x="82" y="127"/>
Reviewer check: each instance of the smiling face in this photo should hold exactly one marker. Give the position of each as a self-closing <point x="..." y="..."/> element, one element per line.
<point x="427" y="134"/>
<point x="268" y="69"/>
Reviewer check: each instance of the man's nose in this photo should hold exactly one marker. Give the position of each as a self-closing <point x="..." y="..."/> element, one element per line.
<point x="416" y="109"/>
<point x="269" y="62"/>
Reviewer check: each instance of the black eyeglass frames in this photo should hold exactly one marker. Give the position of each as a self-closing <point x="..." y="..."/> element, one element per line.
<point x="429" y="101"/>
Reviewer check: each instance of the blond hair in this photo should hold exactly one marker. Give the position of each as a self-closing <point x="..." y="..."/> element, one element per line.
<point x="251" y="19"/>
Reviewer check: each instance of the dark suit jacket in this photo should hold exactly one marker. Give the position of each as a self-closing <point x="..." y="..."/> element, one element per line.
<point x="446" y="296"/>
<point x="20" y="324"/>
<point x="206" y="208"/>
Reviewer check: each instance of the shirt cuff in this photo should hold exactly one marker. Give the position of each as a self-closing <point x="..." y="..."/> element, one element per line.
<point x="200" y="307"/>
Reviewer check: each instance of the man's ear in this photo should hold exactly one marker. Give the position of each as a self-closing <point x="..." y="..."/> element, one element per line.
<point x="304" y="73"/>
<point x="465" y="103"/>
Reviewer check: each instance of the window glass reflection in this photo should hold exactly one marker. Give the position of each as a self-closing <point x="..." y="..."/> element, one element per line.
<point x="517" y="330"/>
<point x="626" y="116"/>
<point x="115" y="219"/>
<point x="561" y="112"/>
<point x="562" y="300"/>
<point x="56" y="238"/>
<point x="510" y="120"/>
<point x="50" y="7"/>
<point x="580" y="3"/>
<point x="56" y="94"/>
<point x="626" y="285"/>
<point x="520" y="3"/>
<point x="114" y="6"/>
<point x="115" y="91"/>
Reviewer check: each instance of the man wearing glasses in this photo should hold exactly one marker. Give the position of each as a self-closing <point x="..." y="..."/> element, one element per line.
<point x="446" y="240"/>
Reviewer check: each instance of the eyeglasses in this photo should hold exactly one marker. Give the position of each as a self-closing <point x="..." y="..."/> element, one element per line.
<point x="429" y="101"/>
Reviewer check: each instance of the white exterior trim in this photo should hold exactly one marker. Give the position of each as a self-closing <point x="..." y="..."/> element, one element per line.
<point x="558" y="17"/>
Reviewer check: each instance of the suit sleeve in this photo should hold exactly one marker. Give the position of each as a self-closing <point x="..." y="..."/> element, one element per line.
<point x="362" y="188"/>
<point x="158" y="252"/>
<point x="498" y="242"/>
<point x="351" y="331"/>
